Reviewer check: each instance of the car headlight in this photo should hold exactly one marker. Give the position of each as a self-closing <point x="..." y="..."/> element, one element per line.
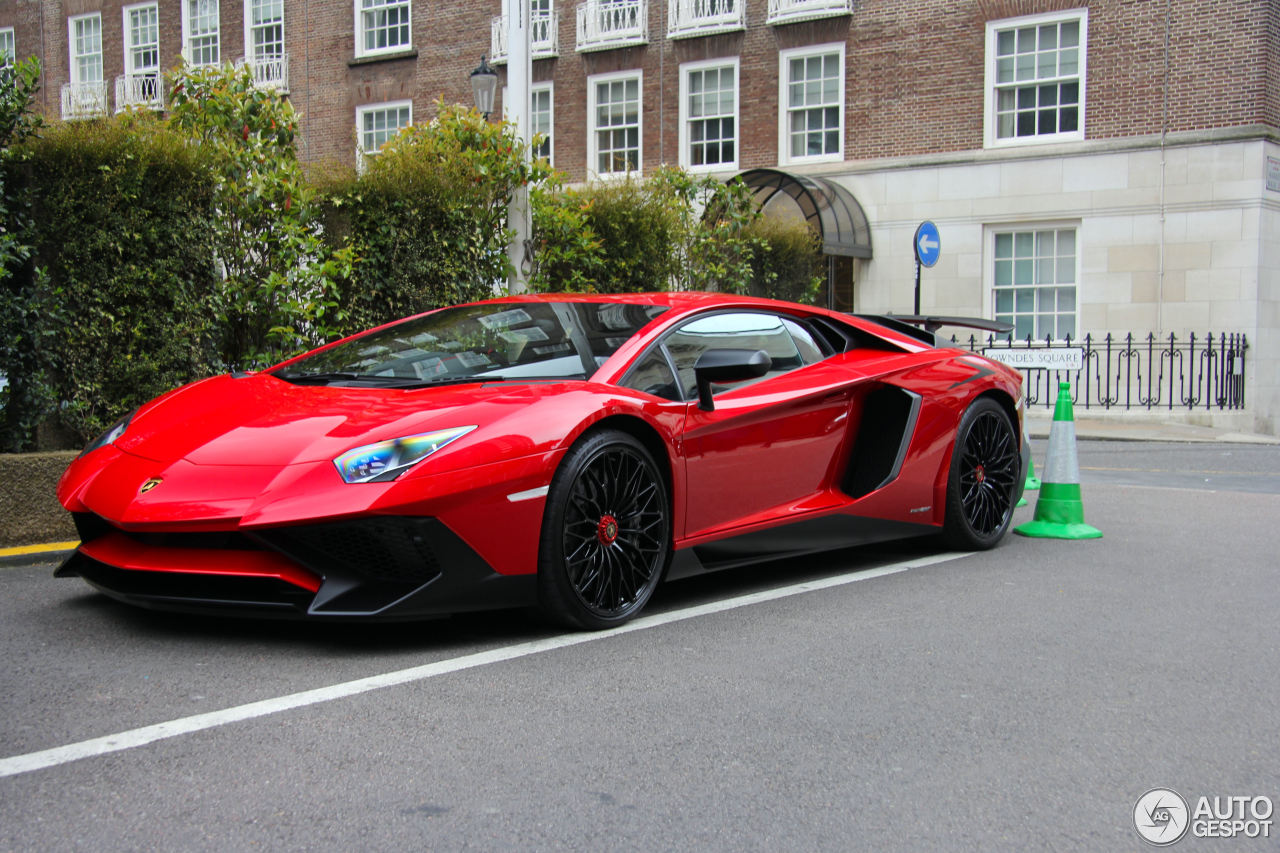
<point x="386" y="460"/>
<point x="109" y="437"/>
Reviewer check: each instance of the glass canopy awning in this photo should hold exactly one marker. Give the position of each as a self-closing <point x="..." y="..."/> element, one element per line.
<point x="825" y="205"/>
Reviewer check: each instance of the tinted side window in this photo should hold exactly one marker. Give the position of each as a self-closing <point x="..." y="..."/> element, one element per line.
<point x="653" y="375"/>
<point x="812" y="348"/>
<point x="743" y="330"/>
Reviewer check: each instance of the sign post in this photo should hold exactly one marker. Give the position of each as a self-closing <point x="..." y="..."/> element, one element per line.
<point x="928" y="246"/>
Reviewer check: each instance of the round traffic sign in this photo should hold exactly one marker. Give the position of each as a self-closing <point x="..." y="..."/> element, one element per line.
<point x="928" y="245"/>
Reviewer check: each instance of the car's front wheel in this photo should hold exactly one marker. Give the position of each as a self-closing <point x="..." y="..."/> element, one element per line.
<point x="985" y="467"/>
<point x="606" y="532"/>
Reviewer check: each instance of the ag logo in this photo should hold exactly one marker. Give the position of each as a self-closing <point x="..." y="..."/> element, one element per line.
<point x="1161" y="816"/>
<point x="149" y="485"/>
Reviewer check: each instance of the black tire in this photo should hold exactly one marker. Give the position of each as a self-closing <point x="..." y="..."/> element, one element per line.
<point x="985" y="468"/>
<point x="606" y="533"/>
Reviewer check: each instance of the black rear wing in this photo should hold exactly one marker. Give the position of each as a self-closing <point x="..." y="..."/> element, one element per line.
<point x="909" y="324"/>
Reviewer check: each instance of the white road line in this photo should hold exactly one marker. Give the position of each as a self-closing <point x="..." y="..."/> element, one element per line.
<point x="120" y="741"/>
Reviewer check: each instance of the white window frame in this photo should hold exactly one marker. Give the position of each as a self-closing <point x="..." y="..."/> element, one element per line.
<point x="361" y="50"/>
<point x="686" y="142"/>
<point x="991" y="84"/>
<point x="549" y="88"/>
<point x="784" y="113"/>
<point x="8" y="46"/>
<point x="989" y="272"/>
<point x="593" y="148"/>
<point x="250" y="46"/>
<point x="187" y="52"/>
<point x="74" y="57"/>
<point x="363" y="155"/>
<point x="130" y="69"/>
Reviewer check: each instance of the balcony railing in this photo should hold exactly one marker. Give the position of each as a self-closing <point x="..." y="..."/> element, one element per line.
<point x="139" y="91"/>
<point x="1131" y="372"/>
<point x="84" y="100"/>
<point x="604" y="24"/>
<point x="270" y="72"/>
<point x="687" y="18"/>
<point x="544" y="36"/>
<point x="790" y="11"/>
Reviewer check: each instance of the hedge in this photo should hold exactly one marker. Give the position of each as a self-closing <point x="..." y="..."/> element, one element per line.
<point x="112" y="307"/>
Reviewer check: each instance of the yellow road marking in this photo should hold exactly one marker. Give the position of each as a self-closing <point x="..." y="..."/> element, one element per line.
<point x="23" y="550"/>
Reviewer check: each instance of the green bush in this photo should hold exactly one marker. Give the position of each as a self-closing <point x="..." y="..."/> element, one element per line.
<point x="787" y="263"/>
<point x="25" y="397"/>
<point x="671" y="231"/>
<point x="275" y="296"/>
<point x="427" y="221"/>
<point x="115" y="298"/>
<point x="609" y="237"/>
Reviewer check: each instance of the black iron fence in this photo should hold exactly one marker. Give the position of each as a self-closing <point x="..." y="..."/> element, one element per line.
<point x="1128" y="373"/>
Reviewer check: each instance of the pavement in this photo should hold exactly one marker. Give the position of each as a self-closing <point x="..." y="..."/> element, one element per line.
<point x="1038" y="424"/>
<point x="1122" y="428"/>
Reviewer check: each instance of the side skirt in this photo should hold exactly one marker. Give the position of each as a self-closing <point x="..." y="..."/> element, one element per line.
<point x="812" y="536"/>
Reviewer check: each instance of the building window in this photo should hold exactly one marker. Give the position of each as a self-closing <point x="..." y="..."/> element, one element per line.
<point x="86" y="49"/>
<point x="377" y="123"/>
<point x="140" y="85"/>
<point x="7" y="49"/>
<point x="541" y="23"/>
<point x="142" y="40"/>
<point x="1034" y="281"/>
<point x="1035" y="79"/>
<point x="709" y="115"/>
<point x="613" y="136"/>
<point x="264" y="30"/>
<point x="200" y="34"/>
<point x="541" y="120"/>
<point x="382" y="26"/>
<point x="812" y="104"/>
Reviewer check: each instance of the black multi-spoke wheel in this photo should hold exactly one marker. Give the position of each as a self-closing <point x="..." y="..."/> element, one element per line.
<point x="985" y="471"/>
<point x="606" y="533"/>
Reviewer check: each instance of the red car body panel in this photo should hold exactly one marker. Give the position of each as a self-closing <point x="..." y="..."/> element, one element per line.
<point x="254" y="455"/>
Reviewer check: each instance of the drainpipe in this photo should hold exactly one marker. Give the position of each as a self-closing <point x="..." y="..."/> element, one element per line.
<point x="1164" y="131"/>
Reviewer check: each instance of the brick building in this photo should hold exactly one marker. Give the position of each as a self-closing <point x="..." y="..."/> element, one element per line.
<point x="1092" y="165"/>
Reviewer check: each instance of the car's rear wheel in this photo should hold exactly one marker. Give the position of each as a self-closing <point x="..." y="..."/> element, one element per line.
<point x="606" y="532"/>
<point x="985" y="467"/>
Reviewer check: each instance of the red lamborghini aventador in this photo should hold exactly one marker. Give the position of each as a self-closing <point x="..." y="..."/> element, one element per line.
<point x="569" y="451"/>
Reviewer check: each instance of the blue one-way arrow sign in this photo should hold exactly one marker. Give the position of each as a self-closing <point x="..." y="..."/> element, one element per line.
<point x="928" y="244"/>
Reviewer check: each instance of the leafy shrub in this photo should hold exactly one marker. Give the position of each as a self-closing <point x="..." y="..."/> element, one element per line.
<point x="671" y="231"/>
<point x="427" y="221"/>
<point x="24" y="397"/>
<point x="115" y="297"/>
<point x="275" y="296"/>
<point x="787" y="263"/>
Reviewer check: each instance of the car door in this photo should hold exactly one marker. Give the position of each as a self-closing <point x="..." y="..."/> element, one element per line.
<point x="769" y="448"/>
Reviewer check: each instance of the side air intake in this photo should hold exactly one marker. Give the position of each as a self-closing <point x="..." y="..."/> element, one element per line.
<point x="888" y="421"/>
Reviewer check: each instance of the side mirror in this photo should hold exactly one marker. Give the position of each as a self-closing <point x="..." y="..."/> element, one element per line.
<point x="727" y="365"/>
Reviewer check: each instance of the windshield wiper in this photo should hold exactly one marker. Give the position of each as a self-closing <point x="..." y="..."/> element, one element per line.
<point x="447" y="380"/>
<point x="327" y="378"/>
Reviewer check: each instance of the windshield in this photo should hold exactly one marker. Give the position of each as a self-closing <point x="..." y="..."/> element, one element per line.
<point x="479" y="343"/>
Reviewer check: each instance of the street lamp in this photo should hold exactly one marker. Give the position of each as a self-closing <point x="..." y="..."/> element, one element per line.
<point x="484" y="85"/>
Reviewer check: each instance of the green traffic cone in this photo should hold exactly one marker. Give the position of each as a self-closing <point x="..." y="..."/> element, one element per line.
<point x="1033" y="482"/>
<point x="1059" y="510"/>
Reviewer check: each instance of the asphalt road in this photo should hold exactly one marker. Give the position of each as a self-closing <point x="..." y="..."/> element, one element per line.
<point x="1020" y="699"/>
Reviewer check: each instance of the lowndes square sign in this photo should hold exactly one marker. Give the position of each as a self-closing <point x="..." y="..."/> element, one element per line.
<point x="1038" y="358"/>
